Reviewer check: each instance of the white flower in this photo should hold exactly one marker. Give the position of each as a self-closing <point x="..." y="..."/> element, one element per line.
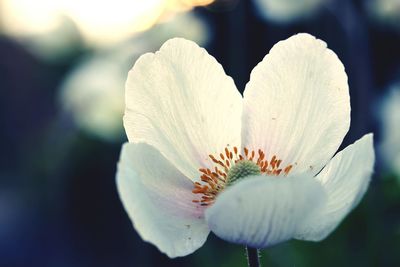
<point x="390" y="117"/>
<point x="193" y="139"/>
<point x="287" y="11"/>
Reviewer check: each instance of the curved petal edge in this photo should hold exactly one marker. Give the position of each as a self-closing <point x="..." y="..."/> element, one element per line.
<point x="158" y="200"/>
<point x="297" y="102"/>
<point x="345" y="180"/>
<point x="180" y="101"/>
<point x="261" y="211"/>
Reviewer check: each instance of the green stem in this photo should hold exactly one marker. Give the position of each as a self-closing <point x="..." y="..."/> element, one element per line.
<point x="253" y="257"/>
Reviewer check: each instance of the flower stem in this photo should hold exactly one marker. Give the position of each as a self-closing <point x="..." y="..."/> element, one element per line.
<point x="253" y="257"/>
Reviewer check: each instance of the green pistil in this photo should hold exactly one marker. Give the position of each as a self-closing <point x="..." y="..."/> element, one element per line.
<point x="241" y="170"/>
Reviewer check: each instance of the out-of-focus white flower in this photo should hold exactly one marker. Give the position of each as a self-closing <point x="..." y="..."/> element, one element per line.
<point x="93" y="93"/>
<point x="286" y="11"/>
<point x="256" y="170"/>
<point x="390" y="118"/>
<point x="385" y="12"/>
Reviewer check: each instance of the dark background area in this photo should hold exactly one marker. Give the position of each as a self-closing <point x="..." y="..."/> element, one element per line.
<point x="58" y="201"/>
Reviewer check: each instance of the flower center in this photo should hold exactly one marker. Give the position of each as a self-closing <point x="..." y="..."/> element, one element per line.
<point x="232" y="166"/>
<point x="242" y="169"/>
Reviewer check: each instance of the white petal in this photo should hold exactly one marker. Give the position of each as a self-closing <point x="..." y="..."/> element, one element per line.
<point x="158" y="199"/>
<point x="345" y="180"/>
<point x="296" y="104"/>
<point x="180" y="101"/>
<point x="262" y="211"/>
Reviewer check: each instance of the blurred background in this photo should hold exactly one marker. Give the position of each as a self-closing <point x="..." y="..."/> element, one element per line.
<point x="63" y="66"/>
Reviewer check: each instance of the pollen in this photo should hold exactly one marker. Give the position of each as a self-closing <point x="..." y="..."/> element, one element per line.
<point x="231" y="166"/>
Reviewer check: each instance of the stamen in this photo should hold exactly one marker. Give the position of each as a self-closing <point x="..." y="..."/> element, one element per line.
<point x="252" y="155"/>
<point x="231" y="167"/>
<point x="287" y="169"/>
<point x="278" y="163"/>
<point x="226" y="152"/>
<point x="213" y="159"/>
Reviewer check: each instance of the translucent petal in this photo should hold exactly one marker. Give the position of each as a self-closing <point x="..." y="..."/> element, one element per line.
<point x="158" y="199"/>
<point x="180" y="101"/>
<point x="345" y="180"/>
<point x="296" y="104"/>
<point x="262" y="211"/>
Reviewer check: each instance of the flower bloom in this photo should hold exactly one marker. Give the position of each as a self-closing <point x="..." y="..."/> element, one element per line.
<point x="255" y="170"/>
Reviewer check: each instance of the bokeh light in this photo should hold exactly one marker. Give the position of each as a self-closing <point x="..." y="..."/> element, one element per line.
<point x="384" y="12"/>
<point x="99" y="22"/>
<point x="287" y="11"/>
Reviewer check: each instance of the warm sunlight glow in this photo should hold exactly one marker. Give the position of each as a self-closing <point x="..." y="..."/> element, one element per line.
<point x="28" y="17"/>
<point x="100" y="22"/>
<point x="109" y="21"/>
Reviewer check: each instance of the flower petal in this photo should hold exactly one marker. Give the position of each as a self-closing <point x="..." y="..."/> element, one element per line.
<point x="345" y="180"/>
<point x="158" y="199"/>
<point x="296" y="104"/>
<point x="180" y="101"/>
<point x="262" y="211"/>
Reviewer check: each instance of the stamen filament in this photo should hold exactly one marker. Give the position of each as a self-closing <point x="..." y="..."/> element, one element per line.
<point x="214" y="180"/>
